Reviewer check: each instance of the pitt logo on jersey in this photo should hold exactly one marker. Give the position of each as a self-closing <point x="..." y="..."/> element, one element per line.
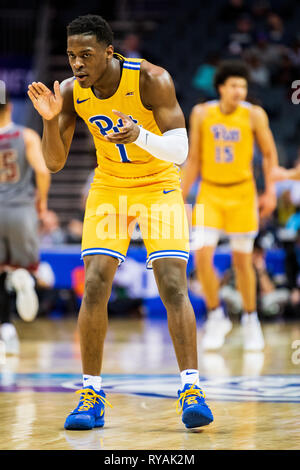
<point x="105" y="123"/>
<point x="228" y="135"/>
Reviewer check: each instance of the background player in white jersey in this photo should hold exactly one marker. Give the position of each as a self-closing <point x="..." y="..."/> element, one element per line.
<point x="20" y="159"/>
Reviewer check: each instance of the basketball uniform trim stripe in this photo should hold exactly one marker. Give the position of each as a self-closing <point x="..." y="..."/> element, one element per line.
<point x="103" y="251"/>
<point x="166" y="254"/>
<point x="132" y="64"/>
<point x="129" y="67"/>
<point x="246" y="104"/>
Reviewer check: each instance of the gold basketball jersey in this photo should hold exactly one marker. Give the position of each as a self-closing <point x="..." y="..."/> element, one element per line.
<point x="227" y="144"/>
<point x="124" y="162"/>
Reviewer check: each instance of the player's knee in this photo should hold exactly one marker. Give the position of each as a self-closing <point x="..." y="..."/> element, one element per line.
<point x="173" y="293"/>
<point x="97" y="287"/>
<point x="242" y="245"/>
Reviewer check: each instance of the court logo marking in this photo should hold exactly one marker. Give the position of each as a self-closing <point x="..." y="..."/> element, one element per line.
<point x="266" y="388"/>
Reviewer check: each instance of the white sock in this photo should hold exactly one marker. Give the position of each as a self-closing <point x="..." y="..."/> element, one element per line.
<point x="189" y="376"/>
<point x="249" y="317"/>
<point x="92" y="381"/>
<point x="217" y="313"/>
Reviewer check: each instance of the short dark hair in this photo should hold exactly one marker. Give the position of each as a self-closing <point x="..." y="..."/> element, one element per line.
<point x="230" y="68"/>
<point x="91" y="24"/>
<point x="4" y="94"/>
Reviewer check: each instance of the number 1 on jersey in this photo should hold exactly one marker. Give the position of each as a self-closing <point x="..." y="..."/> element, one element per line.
<point x="123" y="153"/>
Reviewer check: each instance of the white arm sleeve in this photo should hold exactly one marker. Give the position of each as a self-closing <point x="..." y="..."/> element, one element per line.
<point x="172" y="146"/>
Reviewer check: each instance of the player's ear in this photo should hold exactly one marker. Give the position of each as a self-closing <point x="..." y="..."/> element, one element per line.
<point x="109" y="52"/>
<point x="220" y="88"/>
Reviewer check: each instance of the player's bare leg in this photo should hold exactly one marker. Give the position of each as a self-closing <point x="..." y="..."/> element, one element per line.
<point x="93" y="319"/>
<point x="246" y="283"/>
<point x="217" y="325"/>
<point x="207" y="276"/>
<point x="245" y="279"/>
<point x="170" y="275"/>
<point x="92" y="323"/>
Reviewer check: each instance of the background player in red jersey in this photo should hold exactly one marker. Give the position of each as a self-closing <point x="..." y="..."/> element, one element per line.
<point x="20" y="204"/>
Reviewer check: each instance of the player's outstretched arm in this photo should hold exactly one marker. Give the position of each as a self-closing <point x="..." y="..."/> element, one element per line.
<point x="59" y="118"/>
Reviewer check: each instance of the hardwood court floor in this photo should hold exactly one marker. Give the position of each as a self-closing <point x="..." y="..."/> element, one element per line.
<point x="254" y="397"/>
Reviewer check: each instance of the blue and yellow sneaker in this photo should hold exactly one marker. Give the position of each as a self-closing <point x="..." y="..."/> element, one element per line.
<point x="89" y="412"/>
<point x="191" y="403"/>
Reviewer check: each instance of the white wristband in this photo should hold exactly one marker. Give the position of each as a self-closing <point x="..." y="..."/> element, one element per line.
<point x="172" y="146"/>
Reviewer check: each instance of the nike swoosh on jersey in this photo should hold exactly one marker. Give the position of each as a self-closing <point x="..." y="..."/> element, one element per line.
<point x="81" y="101"/>
<point x="169" y="191"/>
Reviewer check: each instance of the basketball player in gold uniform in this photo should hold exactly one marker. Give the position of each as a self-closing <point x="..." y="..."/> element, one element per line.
<point x="130" y="107"/>
<point x="222" y="137"/>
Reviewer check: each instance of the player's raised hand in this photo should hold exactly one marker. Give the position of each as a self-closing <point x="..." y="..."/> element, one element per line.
<point x="127" y="134"/>
<point x="47" y="103"/>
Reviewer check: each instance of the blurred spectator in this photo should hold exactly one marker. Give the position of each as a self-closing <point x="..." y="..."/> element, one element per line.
<point x="242" y="36"/>
<point x="204" y="77"/>
<point x="259" y="73"/>
<point x="74" y="231"/>
<point x="268" y="53"/>
<point x="131" y="46"/>
<point x="276" y="30"/>
<point x="50" y="231"/>
<point x="293" y="223"/>
<point x="289" y="215"/>
<point x="285" y="207"/>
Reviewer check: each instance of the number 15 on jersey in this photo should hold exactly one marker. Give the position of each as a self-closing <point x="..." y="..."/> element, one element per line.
<point x="224" y="154"/>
